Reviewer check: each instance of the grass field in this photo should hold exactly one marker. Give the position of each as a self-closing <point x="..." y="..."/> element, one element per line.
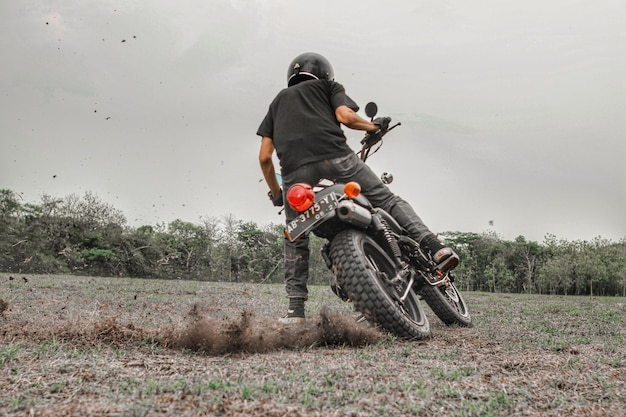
<point x="110" y="347"/>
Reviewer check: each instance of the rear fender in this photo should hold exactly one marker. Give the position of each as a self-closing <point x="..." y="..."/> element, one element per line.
<point x="361" y="200"/>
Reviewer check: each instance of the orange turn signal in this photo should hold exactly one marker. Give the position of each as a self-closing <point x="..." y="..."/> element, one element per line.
<point x="352" y="189"/>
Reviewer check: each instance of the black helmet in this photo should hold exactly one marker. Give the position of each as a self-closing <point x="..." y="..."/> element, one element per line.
<point x="307" y="66"/>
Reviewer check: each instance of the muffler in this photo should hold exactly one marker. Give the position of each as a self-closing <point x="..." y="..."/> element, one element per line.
<point x="349" y="212"/>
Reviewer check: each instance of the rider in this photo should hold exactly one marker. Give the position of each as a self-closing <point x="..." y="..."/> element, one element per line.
<point x="303" y="126"/>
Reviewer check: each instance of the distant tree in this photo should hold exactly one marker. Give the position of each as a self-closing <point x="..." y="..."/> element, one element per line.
<point x="555" y="274"/>
<point x="230" y="247"/>
<point x="467" y="246"/>
<point x="183" y="249"/>
<point x="139" y="252"/>
<point x="261" y="250"/>
<point x="597" y="267"/>
<point x="525" y="257"/>
<point x="10" y="229"/>
<point x="88" y="236"/>
<point x="10" y="205"/>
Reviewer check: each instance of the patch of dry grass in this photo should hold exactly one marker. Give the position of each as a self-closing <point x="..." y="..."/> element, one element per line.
<point x="103" y="346"/>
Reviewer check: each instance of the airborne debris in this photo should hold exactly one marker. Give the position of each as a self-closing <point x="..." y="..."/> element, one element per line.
<point x="261" y="335"/>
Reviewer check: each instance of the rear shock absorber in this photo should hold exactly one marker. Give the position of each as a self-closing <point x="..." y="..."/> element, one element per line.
<point x="387" y="240"/>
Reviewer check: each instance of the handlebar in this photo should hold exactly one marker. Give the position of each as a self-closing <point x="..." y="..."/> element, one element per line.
<point x="372" y="139"/>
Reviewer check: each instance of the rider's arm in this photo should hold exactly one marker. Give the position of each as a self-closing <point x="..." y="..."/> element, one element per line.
<point x="267" y="165"/>
<point x="346" y="116"/>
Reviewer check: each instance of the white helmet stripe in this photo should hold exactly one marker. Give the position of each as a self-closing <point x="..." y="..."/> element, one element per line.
<point x="304" y="73"/>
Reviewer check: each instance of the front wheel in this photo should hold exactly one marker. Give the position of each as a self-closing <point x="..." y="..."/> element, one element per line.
<point x="364" y="272"/>
<point x="447" y="303"/>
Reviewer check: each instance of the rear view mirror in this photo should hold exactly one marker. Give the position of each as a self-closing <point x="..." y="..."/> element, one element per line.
<point x="371" y="109"/>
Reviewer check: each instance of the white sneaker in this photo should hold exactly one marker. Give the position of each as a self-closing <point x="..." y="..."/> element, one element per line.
<point x="291" y="320"/>
<point x="292" y="317"/>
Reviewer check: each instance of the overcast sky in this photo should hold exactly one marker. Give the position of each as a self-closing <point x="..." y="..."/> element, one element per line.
<point x="512" y="112"/>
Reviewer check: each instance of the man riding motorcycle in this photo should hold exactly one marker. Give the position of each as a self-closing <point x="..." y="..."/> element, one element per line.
<point x="303" y="126"/>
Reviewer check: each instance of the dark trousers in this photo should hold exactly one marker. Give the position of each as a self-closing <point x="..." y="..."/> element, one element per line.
<point x="342" y="170"/>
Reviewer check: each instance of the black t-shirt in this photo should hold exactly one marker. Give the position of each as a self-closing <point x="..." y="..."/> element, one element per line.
<point x="302" y="124"/>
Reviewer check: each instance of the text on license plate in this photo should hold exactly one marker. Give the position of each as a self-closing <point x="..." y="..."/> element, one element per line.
<point x="307" y="219"/>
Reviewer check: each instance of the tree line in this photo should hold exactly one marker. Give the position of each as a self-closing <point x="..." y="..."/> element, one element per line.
<point x="84" y="235"/>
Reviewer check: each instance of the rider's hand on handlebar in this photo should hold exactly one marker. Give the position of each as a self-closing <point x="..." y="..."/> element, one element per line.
<point x="383" y="122"/>
<point x="375" y="136"/>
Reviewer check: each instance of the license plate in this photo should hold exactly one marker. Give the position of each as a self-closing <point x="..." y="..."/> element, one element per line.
<point x="306" y="220"/>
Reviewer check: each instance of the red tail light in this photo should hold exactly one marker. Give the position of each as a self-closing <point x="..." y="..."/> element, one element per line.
<point x="300" y="196"/>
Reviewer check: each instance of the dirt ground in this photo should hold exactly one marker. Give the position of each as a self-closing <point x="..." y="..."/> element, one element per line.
<point x="108" y="347"/>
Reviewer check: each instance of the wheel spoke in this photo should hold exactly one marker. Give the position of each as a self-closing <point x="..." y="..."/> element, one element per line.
<point x="452" y="295"/>
<point x="371" y="277"/>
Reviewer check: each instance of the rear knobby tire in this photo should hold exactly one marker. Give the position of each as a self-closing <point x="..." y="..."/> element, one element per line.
<point x="448" y="304"/>
<point x="362" y="269"/>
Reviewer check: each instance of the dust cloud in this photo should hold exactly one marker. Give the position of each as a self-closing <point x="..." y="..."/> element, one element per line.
<point x="259" y="335"/>
<point x="244" y="333"/>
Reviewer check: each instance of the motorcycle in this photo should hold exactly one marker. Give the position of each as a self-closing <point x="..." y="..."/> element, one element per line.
<point x="375" y="263"/>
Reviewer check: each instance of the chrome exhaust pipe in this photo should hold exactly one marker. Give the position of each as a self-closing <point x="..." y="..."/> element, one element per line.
<point x="352" y="213"/>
